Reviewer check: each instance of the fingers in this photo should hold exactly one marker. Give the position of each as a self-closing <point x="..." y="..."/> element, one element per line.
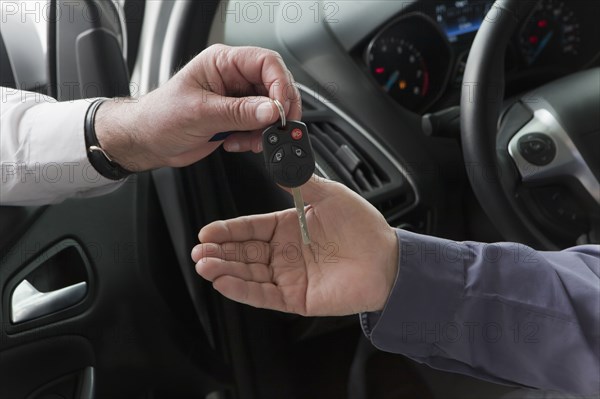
<point x="284" y="90"/>
<point x="245" y="70"/>
<point x="262" y="67"/>
<point x="259" y="295"/>
<point x="211" y="269"/>
<point x="242" y="142"/>
<point x="244" y="252"/>
<point x="295" y="111"/>
<point x="224" y="114"/>
<point x="283" y="87"/>
<point x="250" y="284"/>
<point x="246" y="228"/>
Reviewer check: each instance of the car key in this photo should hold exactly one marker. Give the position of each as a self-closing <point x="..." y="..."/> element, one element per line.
<point x="290" y="160"/>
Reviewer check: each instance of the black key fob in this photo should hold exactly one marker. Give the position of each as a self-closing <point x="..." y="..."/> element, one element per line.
<point x="289" y="156"/>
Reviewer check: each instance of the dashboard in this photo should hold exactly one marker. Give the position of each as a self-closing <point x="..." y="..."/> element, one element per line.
<point x="418" y="58"/>
<point x="380" y="65"/>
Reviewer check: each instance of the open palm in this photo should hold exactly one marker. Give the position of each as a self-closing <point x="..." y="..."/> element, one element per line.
<point x="259" y="260"/>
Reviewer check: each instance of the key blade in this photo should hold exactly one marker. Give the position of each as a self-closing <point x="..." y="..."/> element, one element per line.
<point x="299" y="203"/>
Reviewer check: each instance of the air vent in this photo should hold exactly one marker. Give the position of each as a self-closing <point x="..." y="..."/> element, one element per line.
<point x="353" y="166"/>
<point x="348" y="154"/>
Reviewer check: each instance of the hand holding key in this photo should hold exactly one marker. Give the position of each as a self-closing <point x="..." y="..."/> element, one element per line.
<point x="222" y="89"/>
<point x="259" y="260"/>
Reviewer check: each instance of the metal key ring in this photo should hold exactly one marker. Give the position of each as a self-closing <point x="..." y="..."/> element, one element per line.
<point x="281" y="113"/>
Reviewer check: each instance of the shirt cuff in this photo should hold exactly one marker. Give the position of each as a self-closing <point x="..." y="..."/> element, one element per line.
<point x="52" y="164"/>
<point x="427" y="291"/>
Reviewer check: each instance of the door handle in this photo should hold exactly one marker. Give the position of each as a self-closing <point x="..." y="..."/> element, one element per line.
<point x="28" y="303"/>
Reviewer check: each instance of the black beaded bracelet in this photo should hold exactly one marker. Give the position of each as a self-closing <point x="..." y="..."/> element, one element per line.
<point x="98" y="158"/>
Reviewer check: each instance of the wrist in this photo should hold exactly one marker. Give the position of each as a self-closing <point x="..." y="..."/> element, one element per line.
<point x="390" y="266"/>
<point x="115" y="127"/>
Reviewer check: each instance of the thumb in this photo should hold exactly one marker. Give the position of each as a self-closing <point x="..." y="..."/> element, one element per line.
<point x="318" y="188"/>
<point x="244" y="114"/>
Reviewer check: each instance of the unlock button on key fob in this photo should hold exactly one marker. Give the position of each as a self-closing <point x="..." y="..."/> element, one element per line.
<point x="278" y="156"/>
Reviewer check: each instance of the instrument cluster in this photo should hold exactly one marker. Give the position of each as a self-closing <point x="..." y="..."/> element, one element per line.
<point x="420" y="56"/>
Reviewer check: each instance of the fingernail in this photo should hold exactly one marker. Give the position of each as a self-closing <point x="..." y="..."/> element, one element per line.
<point x="259" y="146"/>
<point x="195" y="252"/>
<point x="264" y="113"/>
<point x="232" y="146"/>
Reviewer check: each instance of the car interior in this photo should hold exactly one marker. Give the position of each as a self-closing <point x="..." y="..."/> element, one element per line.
<point x="463" y="119"/>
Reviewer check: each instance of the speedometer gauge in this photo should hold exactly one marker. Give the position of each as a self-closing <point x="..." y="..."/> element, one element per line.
<point x="551" y="32"/>
<point x="410" y="59"/>
<point x="400" y="69"/>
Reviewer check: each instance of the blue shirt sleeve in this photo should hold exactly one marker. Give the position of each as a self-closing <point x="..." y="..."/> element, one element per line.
<point x="500" y="312"/>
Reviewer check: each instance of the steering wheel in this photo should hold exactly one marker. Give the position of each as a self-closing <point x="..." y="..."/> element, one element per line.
<point x="534" y="165"/>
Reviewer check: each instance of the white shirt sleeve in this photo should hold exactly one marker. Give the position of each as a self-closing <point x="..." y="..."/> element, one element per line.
<point x="42" y="151"/>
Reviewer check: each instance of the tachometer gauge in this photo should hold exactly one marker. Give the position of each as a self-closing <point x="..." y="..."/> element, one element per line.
<point x="551" y="33"/>
<point x="400" y="69"/>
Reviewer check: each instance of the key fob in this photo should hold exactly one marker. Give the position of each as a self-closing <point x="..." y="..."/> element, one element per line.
<point x="289" y="156"/>
<point x="220" y="136"/>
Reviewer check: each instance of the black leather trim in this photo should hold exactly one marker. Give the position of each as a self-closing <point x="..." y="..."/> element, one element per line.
<point x="482" y="98"/>
<point x="7" y="78"/>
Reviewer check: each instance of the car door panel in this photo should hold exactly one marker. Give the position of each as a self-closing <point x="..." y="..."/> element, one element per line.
<point x="135" y="321"/>
<point x="134" y="331"/>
